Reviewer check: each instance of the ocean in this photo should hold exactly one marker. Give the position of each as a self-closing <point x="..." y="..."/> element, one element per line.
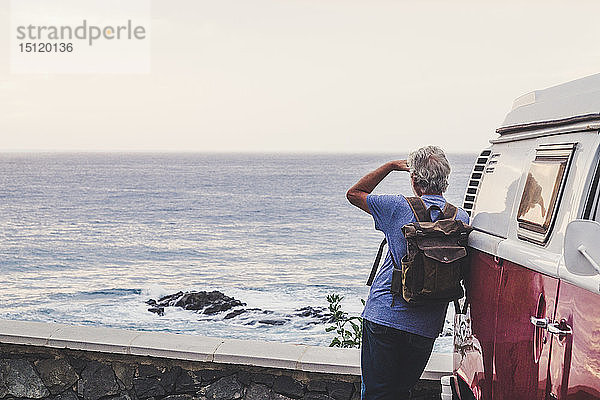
<point x="88" y="238"/>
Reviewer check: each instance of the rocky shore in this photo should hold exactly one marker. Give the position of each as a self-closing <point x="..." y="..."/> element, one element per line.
<point x="218" y="304"/>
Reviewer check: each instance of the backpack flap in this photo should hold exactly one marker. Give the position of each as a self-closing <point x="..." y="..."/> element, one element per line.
<point x="443" y="227"/>
<point x="445" y="255"/>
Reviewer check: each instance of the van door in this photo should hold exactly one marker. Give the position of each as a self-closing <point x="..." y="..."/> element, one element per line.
<point x="575" y="362"/>
<point x="529" y="284"/>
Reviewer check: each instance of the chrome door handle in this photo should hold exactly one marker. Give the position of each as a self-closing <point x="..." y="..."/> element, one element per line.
<point x="583" y="250"/>
<point x="539" y="322"/>
<point x="560" y="328"/>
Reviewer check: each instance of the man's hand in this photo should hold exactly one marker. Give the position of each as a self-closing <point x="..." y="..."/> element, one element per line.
<point x="400" y="165"/>
<point x="357" y="194"/>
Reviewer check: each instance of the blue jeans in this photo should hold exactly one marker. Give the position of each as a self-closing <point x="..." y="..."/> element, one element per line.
<point x="392" y="361"/>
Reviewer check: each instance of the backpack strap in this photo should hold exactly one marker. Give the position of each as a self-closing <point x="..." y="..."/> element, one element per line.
<point x="419" y="209"/>
<point x="423" y="214"/>
<point x="449" y="212"/>
<point x="376" y="263"/>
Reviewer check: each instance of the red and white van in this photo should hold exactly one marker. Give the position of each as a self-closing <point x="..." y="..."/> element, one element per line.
<point x="532" y="324"/>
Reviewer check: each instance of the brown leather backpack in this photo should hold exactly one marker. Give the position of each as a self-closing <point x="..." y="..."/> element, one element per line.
<point x="434" y="265"/>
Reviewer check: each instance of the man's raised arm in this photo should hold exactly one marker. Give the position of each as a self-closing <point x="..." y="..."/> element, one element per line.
<point x="357" y="194"/>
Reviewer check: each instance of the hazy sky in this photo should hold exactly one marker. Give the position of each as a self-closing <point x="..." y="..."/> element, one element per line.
<point x="299" y="75"/>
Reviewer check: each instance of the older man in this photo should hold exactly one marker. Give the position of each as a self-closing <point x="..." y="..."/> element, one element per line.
<point x="398" y="337"/>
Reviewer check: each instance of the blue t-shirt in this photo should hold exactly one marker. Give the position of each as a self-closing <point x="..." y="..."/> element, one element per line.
<point x="391" y="213"/>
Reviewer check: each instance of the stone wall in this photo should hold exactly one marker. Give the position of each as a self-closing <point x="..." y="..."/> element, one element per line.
<point x="60" y="374"/>
<point x="64" y="362"/>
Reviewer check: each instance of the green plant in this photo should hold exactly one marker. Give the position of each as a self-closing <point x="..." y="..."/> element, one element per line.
<point x="346" y="337"/>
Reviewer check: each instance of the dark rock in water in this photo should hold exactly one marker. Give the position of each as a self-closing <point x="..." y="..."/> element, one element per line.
<point x="234" y="313"/>
<point x="320" y="313"/>
<point x="260" y="310"/>
<point x="215" y="302"/>
<point x="217" y="308"/>
<point x="210" y="302"/>
<point x="157" y="310"/>
<point x="168" y="300"/>
<point x="273" y="321"/>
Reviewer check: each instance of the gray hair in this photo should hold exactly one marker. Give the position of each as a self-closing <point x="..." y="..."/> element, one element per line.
<point x="429" y="169"/>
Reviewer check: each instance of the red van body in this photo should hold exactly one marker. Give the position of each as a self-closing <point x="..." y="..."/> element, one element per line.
<point x="531" y="326"/>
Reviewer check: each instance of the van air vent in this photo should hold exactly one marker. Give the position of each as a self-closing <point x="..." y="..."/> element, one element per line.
<point x="478" y="170"/>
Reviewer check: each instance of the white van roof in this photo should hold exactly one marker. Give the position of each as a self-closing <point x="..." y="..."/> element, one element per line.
<point x="574" y="101"/>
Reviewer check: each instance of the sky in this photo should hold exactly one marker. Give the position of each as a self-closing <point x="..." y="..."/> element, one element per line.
<point x="307" y="76"/>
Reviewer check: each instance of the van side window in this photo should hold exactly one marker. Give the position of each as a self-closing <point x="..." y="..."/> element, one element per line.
<point x="542" y="191"/>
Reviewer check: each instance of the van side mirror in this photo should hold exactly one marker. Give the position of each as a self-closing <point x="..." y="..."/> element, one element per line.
<point x="582" y="247"/>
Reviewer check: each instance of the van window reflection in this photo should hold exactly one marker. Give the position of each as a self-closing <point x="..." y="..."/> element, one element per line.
<point x="540" y="194"/>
